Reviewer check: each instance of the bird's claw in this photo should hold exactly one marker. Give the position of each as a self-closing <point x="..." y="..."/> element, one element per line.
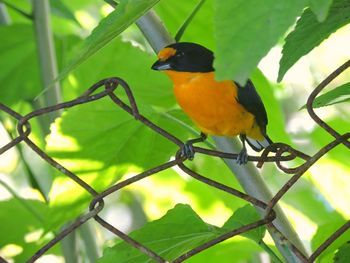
<point x="242" y="157"/>
<point x="187" y="151"/>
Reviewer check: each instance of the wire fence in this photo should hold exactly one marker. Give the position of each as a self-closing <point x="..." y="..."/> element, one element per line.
<point x="282" y="153"/>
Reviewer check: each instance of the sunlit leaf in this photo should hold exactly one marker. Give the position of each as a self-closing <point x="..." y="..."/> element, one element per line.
<point x="241" y="251"/>
<point x="246" y="30"/>
<point x="15" y="230"/>
<point x="175" y="233"/>
<point x="127" y="12"/>
<point x="309" y="33"/>
<point x="123" y="60"/>
<point x="243" y="216"/>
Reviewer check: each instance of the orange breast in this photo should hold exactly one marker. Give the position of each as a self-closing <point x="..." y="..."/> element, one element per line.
<point x="211" y="104"/>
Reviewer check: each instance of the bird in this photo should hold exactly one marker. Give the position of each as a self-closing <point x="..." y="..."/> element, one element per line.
<point x="220" y="108"/>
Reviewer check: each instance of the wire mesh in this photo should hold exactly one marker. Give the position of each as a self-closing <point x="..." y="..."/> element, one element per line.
<point x="281" y="153"/>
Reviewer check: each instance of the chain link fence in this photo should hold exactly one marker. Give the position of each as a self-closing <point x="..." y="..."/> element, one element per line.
<point x="281" y="153"/>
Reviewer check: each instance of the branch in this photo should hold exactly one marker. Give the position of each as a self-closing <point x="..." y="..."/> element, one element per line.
<point x="247" y="175"/>
<point x="47" y="60"/>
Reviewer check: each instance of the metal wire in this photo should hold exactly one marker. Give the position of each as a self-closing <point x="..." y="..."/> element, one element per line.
<point x="282" y="153"/>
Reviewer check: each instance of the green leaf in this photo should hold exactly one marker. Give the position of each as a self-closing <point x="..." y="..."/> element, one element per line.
<point x="19" y="75"/>
<point x="123" y="60"/>
<point x="98" y="140"/>
<point x="343" y="254"/>
<point x="246" y="30"/>
<point x="225" y="252"/>
<point x="18" y="222"/>
<point x="323" y="232"/>
<point x="58" y="8"/>
<point x="200" y="30"/>
<point x="336" y="95"/>
<point x="309" y="33"/>
<point x="188" y="21"/>
<point x="175" y="233"/>
<point x="126" y="13"/>
<point x="320" y="8"/>
<point x="243" y="216"/>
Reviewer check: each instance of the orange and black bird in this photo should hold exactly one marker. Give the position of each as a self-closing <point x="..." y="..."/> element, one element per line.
<point x="222" y="108"/>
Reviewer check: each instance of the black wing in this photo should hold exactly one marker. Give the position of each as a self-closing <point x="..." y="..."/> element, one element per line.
<point x="251" y="101"/>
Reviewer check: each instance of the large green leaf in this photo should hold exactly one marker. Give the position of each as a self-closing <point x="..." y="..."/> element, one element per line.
<point x="177" y="232"/>
<point x="123" y="60"/>
<point x="309" y="33"/>
<point x="99" y="141"/>
<point x="243" y="216"/>
<point x="180" y="230"/>
<point x="246" y="30"/>
<point x="104" y="133"/>
<point x="19" y="75"/>
<point x="126" y="13"/>
<point x="320" y="8"/>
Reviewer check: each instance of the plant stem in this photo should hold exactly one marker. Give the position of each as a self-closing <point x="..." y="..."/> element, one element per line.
<point x="52" y="94"/>
<point x="88" y="238"/>
<point x="4" y="16"/>
<point x="154" y="31"/>
<point x="47" y="60"/>
<point x="69" y="247"/>
<point x="247" y="175"/>
<point x="272" y="254"/>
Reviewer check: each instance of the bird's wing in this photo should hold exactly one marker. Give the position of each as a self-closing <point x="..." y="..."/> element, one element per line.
<point x="249" y="98"/>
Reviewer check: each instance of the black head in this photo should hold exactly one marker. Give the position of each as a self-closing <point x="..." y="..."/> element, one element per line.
<point x="185" y="57"/>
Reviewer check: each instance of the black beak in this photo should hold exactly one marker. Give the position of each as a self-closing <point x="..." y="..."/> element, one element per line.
<point x="161" y="65"/>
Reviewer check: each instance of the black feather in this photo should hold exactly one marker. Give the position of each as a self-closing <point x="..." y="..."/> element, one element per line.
<point x="191" y="57"/>
<point x="249" y="98"/>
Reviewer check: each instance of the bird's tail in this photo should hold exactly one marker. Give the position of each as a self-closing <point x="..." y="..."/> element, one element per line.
<point x="258" y="145"/>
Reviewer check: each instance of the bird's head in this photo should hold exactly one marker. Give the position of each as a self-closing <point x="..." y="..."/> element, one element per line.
<point x="185" y="57"/>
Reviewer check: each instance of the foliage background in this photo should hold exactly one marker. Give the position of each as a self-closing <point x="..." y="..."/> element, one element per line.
<point x="102" y="144"/>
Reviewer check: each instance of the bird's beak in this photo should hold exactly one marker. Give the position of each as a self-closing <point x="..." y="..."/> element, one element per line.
<point x="161" y="65"/>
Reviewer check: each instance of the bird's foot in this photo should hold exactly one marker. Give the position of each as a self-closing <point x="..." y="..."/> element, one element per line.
<point x="187" y="150"/>
<point x="242" y="157"/>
